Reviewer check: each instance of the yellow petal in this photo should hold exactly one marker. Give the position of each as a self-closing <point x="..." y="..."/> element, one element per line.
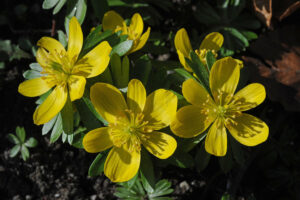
<point x="42" y="57"/>
<point x="34" y="87"/>
<point x="95" y="61"/>
<point x="212" y="41"/>
<point x="249" y="97"/>
<point x="190" y="121"/>
<point x="51" y="45"/>
<point x="248" y="130"/>
<point x="108" y="101"/>
<point x="121" y="165"/>
<point x="223" y="79"/>
<point x="75" y="39"/>
<point x="97" y="140"/>
<point x="136" y="96"/>
<point x="140" y="42"/>
<point x="216" y="139"/>
<point x="51" y="106"/>
<point x="160" y="144"/>
<point x="183" y="62"/>
<point x="195" y="93"/>
<point x="137" y="24"/>
<point x="182" y="42"/>
<point x="76" y="86"/>
<point x="111" y="20"/>
<point x="160" y="108"/>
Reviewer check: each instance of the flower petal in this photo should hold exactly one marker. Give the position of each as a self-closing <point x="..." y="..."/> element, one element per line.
<point x="212" y="41"/>
<point x="190" y="121"/>
<point x="137" y="24"/>
<point x="195" y="93"/>
<point x="75" y="39"/>
<point x="136" y="96"/>
<point x="95" y="61"/>
<point x="111" y="20"/>
<point x="223" y="79"/>
<point x="216" y="139"/>
<point x="160" y="144"/>
<point x="108" y="101"/>
<point x="51" y="45"/>
<point x="249" y="97"/>
<point x="34" y="87"/>
<point x="121" y="165"/>
<point x="182" y="42"/>
<point x="160" y="108"/>
<point x="97" y="140"/>
<point x="183" y="62"/>
<point x="140" y="42"/>
<point x="248" y="130"/>
<point x="51" y="106"/>
<point x="42" y="57"/>
<point x="76" y="86"/>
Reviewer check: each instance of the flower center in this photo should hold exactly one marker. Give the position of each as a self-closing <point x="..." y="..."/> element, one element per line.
<point x="202" y="54"/>
<point x="129" y="128"/>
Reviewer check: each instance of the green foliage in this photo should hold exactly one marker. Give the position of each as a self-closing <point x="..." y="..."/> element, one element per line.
<point x="21" y="144"/>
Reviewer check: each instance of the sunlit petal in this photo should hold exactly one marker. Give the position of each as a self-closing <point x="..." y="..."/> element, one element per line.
<point x="136" y="96"/>
<point x="216" y="139"/>
<point x="111" y="20"/>
<point x="182" y="42"/>
<point x="224" y="77"/>
<point x="75" y="39"/>
<point x="190" y="121"/>
<point x="51" y="45"/>
<point x="140" y="43"/>
<point x="51" y="106"/>
<point x="34" y="87"/>
<point x="160" y="108"/>
<point x="76" y="86"/>
<point x="108" y="101"/>
<point x="212" y="41"/>
<point x="121" y="165"/>
<point x="97" y="140"/>
<point x="183" y="62"/>
<point x="248" y="130"/>
<point x="160" y="144"/>
<point x="137" y="24"/>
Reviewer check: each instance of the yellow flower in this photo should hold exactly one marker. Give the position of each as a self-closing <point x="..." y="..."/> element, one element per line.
<point x="212" y="42"/>
<point x="63" y="70"/>
<point x="131" y="124"/>
<point x="113" y="21"/>
<point x="224" y="110"/>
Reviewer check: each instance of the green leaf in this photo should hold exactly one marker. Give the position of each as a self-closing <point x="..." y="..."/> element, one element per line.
<point x="183" y="73"/>
<point x="49" y="125"/>
<point x="20" y="131"/>
<point x="97" y="166"/>
<point x="125" y="72"/>
<point x="100" y="7"/>
<point x="237" y="151"/>
<point x="142" y="69"/>
<point x="202" y="158"/>
<point x="31" y="74"/>
<point x="48" y="4"/>
<point x="89" y="104"/>
<point x="58" y="6"/>
<point x="187" y="144"/>
<point x="13" y="139"/>
<point x="24" y="152"/>
<point x="116" y="69"/>
<point x="36" y="67"/>
<point x="94" y="38"/>
<point x="249" y="35"/>
<point x="181" y="159"/>
<point x="77" y="140"/>
<point x="147" y="172"/>
<point x="57" y="129"/>
<point x="31" y="142"/>
<point x="67" y="117"/>
<point x="226" y="162"/>
<point x="62" y="38"/>
<point x="163" y="187"/>
<point x="210" y="60"/>
<point x="81" y="10"/>
<point x="14" y="151"/>
<point x="122" y="48"/>
<point x="225" y="197"/>
<point x="206" y="14"/>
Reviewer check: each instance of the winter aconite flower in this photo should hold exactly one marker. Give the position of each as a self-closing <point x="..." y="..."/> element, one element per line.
<point x="113" y="21"/>
<point x="64" y="71"/>
<point x="212" y="42"/>
<point x="222" y="111"/>
<point x="132" y="123"/>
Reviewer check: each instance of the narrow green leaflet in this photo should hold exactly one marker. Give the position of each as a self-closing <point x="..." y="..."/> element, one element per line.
<point x="24" y="152"/>
<point x="49" y="125"/>
<point x="183" y="73"/>
<point x="36" y="67"/>
<point x="122" y="48"/>
<point x="67" y="117"/>
<point x="163" y="187"/>
<point x="62" y="38"/>
<point x="58" y="6"/>
<point x="31" y="142"/>
<point x="97" y="166"/>
<point x="181" y="159"/>
<point x="20" y="131"/>
<point x="142" y="69"/>
<point x="202" y="158"/>
<point x="31" y="74"/>
<point x="48" y="4"/>
<point x="210" y="60"/>
<point x="57" y="130"/>
<point x="147" y="172"/>
<point x="14" y="151"/>
<point x="13" y="139"/>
